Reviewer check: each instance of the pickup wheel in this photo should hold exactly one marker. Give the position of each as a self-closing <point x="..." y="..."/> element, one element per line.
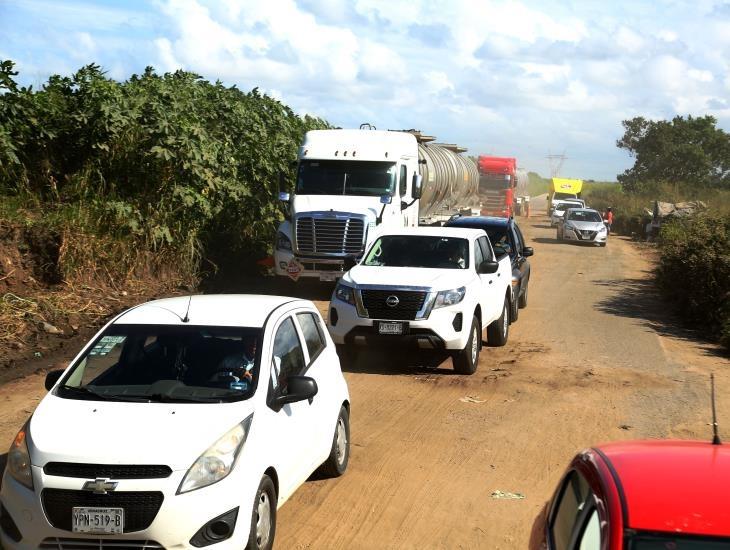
<point x="466" y="360"/>
<point x="336" y="462"/>
<point x="522" y="300"/>
<point x="498" y="331"/>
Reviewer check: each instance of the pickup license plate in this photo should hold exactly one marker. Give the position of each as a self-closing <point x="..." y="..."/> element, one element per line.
<point x="97" y="520"/>
<point x="327" y="277"/>
<point x="390" y="328"/>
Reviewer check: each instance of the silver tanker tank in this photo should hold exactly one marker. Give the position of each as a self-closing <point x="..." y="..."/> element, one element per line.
<point x="450" y="180"/>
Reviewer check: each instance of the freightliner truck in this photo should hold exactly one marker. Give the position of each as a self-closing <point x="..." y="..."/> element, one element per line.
<point x="352" y="185"/>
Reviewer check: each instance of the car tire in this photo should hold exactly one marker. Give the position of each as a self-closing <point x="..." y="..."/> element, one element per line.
<point x="498" y="331"/>
<point x="467" y="360"/>
<point x="336" y="462"/>
<point x="514" y="311"/>
<point x="263" y="517"/>
<point x="601" y="244"/>
<point x="559" y="235"/>
<point x="522" y="300"/>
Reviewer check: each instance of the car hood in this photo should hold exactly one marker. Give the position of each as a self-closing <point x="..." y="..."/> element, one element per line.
<point x="437" y="279"/>
<point x="586" y="226"/>
<point x="111" y="432"/>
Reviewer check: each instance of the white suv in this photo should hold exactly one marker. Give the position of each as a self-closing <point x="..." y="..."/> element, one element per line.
<point x="426" y="287"/>
<point x="183" y="423"/>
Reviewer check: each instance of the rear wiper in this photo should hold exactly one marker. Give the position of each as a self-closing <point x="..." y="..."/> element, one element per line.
<point x="85" y="391"/>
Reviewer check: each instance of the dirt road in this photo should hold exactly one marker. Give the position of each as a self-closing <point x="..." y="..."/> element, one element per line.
<point x="594" y="357"/>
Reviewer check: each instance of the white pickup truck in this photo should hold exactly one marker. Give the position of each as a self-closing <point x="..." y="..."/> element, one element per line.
<point x="429" y="287"/>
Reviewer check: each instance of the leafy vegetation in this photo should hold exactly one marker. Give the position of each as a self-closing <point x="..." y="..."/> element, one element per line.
<point x="167" y="164"/>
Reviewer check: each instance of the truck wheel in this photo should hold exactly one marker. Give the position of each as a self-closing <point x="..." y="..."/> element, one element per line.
<point x="263" y="517"/>
<point x="498" y="331"/>
<point x="466" y="360"/>
<point x="336" y="462"/>
<point x="522" y="300"/>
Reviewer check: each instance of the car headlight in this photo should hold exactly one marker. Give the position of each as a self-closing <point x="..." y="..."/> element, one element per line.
<point x="345" y="293"/>
<point x="569" y="227"/>
<point x="283" y="242"/>
<point x="218" y="461"/>
<point x="602" y="229"/>
<point x="449" y="297"/>
<point x="19" y="458"/>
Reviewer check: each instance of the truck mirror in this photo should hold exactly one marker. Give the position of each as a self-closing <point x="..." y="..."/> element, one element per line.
<point x="417" y="186"/>
<point x="386" y="199"/>
<point x="284" y="196"/>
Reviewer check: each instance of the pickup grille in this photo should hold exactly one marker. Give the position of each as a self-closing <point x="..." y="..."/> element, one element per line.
<point x="409" y="304"/>
<point x="330" y="235"/>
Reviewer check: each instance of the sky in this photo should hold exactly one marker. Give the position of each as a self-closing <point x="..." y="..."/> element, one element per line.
<point x="511" y="78"/>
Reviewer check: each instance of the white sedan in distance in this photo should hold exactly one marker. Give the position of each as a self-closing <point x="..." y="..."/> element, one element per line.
<point x="583" y="225"/>
<point x="184" y="423"/>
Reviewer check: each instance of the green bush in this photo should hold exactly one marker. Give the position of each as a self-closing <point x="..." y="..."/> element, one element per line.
<point x="694" y="270"/>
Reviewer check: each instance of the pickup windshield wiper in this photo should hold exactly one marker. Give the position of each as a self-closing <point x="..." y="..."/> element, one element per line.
<point x="86" y="392"/>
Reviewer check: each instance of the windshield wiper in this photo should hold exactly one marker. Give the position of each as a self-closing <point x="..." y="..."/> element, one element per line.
<point x="165" y="398"/>
<point x="86" y="392"/>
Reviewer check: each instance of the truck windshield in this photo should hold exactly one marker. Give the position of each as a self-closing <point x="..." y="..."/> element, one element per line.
<point x="494" y="181"/>
<point x="346" y="177"/>
<point x="419" y="251"/>
<point x="166" y="363"/>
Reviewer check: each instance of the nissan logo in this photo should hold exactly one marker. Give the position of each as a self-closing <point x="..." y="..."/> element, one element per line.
<point x="100" y="486"/>
<point x="392" y="301"/>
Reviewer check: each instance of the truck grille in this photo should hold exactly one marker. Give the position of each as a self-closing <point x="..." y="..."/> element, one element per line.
<point x="330" y="235"/>
<point x="99" y="544"/>
<point x="409" y="304"/>
<point x="112" y="471"/>
<point x="140" y="507"/>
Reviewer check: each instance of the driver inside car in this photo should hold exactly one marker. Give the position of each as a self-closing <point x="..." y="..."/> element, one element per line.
<point x="235" y="368"/>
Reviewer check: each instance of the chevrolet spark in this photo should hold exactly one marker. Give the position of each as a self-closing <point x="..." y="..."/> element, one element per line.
<point x="184" y="423"/>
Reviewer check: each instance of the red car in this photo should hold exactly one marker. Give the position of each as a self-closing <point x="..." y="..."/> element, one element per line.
<point x="642" y="495"/>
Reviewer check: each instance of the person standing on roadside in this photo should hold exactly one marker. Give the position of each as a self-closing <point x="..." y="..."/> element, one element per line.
<point x="608" y="218"/>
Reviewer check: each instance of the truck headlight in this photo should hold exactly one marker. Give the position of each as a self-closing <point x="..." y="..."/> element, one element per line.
<point x="345" y="293"/>
<point x="19" y="459"/>
<point x="283" y="242"/>
<point x="218" y="461"/>
<point x="449" y="297"/>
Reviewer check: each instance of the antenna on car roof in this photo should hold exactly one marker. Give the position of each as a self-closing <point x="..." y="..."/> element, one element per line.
<point x="715" y="437"/>
<point x="187" y="310"/>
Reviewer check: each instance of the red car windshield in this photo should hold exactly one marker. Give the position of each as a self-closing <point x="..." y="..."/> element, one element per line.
<point x="642" y="541"/>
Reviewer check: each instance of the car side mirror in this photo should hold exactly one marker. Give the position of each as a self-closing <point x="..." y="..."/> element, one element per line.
<point x="53" y="377"/>
<point x="417" y="188"/>
<point x="298" y="388"/>
<point x="527" y="251"/>
<point x="488" y="266"/>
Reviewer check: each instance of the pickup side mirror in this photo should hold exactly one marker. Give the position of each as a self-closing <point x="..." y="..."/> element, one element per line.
<point x="417" y="188"/>
<point x="527" y="251"/>
<point x="488" y="266"/>
<point x="298" y="388"/>
<point x="53" y="377"/>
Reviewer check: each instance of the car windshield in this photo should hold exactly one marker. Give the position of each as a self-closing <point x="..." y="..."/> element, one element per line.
<point x="565" y="205"/>
<point x="584" y="216"/>
<point x="642" y="541"/>
<point x="166" y="363"/>
<point x="563" y="196"/>
<point x="346" y="177"/>
<point x="419" y="251"/>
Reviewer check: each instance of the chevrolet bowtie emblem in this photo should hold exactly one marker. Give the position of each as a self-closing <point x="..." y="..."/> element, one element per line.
<point x="100" y="486"/>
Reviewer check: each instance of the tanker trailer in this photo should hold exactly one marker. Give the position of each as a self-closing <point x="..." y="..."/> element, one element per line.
<point x="351" y="185"/>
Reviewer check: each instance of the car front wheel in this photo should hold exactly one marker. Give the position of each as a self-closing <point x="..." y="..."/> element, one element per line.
<point x="336" y="462"/>
<point x="466" y="360"/>
<point x="522" y="300"/>
<point x="263" y="517"/>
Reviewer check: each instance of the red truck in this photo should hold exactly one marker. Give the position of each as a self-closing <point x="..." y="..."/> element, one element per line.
<point x="498" y="183"/>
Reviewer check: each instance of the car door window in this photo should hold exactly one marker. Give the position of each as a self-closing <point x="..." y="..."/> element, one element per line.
<point x="478" y="255"/>
<point x="519" y="245"/>
<point x="590" y="539"/>
<point x="313" y="335"/>
<point x="288" y="356"/>
<point x="574" y="496"/>
<point x="484" y="245"/>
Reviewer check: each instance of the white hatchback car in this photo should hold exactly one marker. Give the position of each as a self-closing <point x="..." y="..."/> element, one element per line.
<point x="184" y="423"/>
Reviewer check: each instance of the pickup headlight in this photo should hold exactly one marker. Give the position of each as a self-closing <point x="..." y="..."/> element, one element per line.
<point x="283" y="242"/>
<point x="345" y="293"/>
<point x="218" y="461"/>
<point x="449" y="297"/>
<point x="19" y="459"/>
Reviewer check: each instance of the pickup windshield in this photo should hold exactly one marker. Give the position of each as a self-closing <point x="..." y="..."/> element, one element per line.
<point x="166" y="363"/>
<point x="584" y="216"/>
<point x="346" y="177"/>
<point x="419" y="251"/>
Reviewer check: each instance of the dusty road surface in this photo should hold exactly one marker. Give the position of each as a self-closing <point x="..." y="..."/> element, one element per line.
<point x="594" y="357"/>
